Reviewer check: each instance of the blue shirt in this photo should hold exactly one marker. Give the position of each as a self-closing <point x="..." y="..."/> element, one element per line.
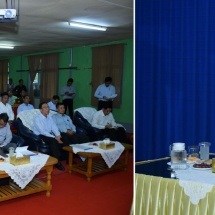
<point x="23" y="106"/>
<point x="5" y="135"/>
<point x="63" y="122"/>
<point x="45" y="126"/>
<point x="69" y="89"/>
<point x="52" y="106"/>
<point x="102" y="91"/>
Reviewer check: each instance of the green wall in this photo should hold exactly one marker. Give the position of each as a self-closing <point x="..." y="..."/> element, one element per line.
<point x="16" y="63"/>
<point x="82" y="59"/>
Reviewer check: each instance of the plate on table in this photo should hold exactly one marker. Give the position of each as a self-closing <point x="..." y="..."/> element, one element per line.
<point x="176" y="168"/>
<point x="169" y="163"/>
<point x="201" y="169"/>
<point x="188" y="162"/>
<point x="202" y="166"/>
<point x="192" y="160"/>
<point x="204" y="161"/>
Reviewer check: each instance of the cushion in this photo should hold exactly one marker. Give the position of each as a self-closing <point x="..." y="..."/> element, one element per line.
<point x="87" y="113"/>
<point x="27" y="116"/>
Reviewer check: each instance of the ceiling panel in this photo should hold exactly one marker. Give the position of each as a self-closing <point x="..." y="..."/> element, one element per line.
<point x="43" y="24"/>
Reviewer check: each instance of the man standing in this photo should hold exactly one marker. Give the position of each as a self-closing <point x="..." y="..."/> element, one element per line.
<point x="25" y="105"/>
<point x="10" y="85"/>
<point x="104" y="120"/>
<point x="105" y="93"/>
<point x="67" y="128"/>
<point x="46" y="129"/>
<point x="53" y="102"/>
<point x="17" y="90"/>
<point x="68" y="93"/>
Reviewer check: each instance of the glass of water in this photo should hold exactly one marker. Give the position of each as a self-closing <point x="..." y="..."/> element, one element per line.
<point x="193" y="151"/>
<point x="11" y="151"/>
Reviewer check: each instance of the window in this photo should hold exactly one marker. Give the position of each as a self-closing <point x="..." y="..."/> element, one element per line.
<point x="107" y="61"/>
<point x="36" y="85"/>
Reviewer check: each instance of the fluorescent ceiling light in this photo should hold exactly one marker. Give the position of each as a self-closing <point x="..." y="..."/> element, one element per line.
<point x="6" y="47"/>
<point x="89" y="26"/>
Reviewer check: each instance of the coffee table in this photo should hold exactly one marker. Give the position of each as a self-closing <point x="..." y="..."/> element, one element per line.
<point x="94" y="164"/>
<point x="12" y="190"/>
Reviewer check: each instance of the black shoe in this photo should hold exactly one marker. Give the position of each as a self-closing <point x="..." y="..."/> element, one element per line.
<point x="60" y="166"/>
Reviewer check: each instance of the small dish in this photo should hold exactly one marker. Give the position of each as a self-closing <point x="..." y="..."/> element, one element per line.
<point x="204" y="161"/>
<point x="191" y="162"/>
<point x="201" y="169"/>
<point x="202" y="166"/>
<point x="192" y="159"/>
<point x="176" y="168"/>
<point x="180" y="167"/>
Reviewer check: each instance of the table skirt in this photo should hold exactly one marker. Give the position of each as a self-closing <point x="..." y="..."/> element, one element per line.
<point x="163" y="196"/>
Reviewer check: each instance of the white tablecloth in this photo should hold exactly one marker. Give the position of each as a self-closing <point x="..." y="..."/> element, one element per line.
<point x="110" y="156"/>
<point x="196" y="183"/>
<point x="23" y="174"/>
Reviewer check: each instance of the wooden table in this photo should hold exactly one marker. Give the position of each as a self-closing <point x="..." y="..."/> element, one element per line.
<point x="94" y="163"/>
<point x="12" y="190"/>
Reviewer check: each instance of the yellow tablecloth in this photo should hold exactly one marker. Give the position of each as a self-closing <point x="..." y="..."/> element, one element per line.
<point x="163" y="196"/>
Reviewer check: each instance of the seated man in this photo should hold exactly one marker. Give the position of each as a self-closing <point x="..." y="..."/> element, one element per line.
<point x="21" y="97"/>
<point x="53" y="102"/>
<point x="5" y="134"/>
<point x="46" y="129"/>
<point x="5" y="107"/>
<point x="67" y="128"/>
<point x="12" y="98"/>
<point x="104" y="120"/>
<point x="25" y="105"/>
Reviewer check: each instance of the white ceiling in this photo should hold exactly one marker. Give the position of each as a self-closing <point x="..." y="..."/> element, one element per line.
<point x="43" y="24"/>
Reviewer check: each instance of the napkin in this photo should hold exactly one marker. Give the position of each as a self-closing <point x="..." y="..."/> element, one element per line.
<point x="21" y="151"/>
<point x="19" y="155"/>
<point x="23" y="148"/>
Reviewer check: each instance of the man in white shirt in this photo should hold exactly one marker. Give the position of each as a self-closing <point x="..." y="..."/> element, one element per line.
<point x="25" y="105"/>
<point x="104" y="93"/>
<point x="46" y="129"/>
<point x="53" y="102"/>
<point x="104" y="120"/>
<point x="5" y="107"/>
<point x="68" y="92"/>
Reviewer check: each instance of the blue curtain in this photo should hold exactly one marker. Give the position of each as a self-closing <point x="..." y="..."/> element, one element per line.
<point x="175" y="75"/>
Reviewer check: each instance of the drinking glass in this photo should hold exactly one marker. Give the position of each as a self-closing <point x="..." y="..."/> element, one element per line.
<point x="193" y="151"/>
<point x="11" y="151"/>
